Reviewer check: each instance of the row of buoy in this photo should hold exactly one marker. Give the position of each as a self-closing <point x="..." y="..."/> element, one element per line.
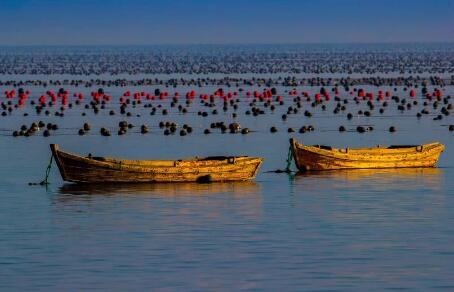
<point x="172" y="128"/>
<point x="445" y="110"/>
<point x="257" y="105"/>
<point x="233" y="128"/>
<point x="34" y="128"/>
<point x="233" y="102"/>
<point x="267" y="94"/>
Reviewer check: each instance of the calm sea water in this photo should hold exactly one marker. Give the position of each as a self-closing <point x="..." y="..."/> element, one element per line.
<point x="385" y="229"/>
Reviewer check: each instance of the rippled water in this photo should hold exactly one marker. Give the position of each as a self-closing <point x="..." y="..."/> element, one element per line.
<point x="348" y="230"/>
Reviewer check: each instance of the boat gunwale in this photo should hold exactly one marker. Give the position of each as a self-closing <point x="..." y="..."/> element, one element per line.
<point x="137" y="163"/>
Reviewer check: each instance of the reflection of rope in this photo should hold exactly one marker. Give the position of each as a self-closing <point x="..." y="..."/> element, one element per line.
<point x="45" y="181"/>
<point x="289" y="159"/>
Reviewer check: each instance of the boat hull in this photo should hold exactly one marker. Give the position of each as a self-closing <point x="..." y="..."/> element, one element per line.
<point x="74" y="168"/>
<point x="309" y="158"/>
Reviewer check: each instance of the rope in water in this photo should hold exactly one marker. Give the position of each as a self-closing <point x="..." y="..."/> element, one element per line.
<point x="45" y="181"/>
<point x="49" y="166"/>
<point x="289" y="164"/>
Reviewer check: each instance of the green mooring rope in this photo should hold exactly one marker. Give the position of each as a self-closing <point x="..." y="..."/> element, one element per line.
<point x="289" y="164"/>
<point x="49" y="166"/>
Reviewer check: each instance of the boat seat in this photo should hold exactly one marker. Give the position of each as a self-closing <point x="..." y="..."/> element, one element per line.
<point x="324" y="147"/>
<point x="215" y="158"/>
<point x="402" y="146"/>
<point x="98" y="158"/>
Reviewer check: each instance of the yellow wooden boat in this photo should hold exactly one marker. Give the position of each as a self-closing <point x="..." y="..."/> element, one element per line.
<point x="74" y="168"/>
<point x="319" y="157"/>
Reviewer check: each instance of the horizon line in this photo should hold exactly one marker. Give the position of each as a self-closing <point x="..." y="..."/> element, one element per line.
<point x="231" y="44"/>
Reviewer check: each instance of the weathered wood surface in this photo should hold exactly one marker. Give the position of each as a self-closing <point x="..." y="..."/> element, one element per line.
<point x="74" y="168"/>
<point x="318" y="158"/>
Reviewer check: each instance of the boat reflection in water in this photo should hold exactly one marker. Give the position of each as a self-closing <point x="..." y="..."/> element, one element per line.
<point x="374" y="179"/>
<point x="166" y="203"/>
<point x="391" y="174"/>
<point x="372" y="194"/>
<point x="240" y="188"/>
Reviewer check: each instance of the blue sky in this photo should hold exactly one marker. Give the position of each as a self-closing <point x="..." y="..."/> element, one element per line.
<point x="100" y="22"/>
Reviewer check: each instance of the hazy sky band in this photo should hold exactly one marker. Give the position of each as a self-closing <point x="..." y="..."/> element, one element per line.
<point x="99" y="22"/>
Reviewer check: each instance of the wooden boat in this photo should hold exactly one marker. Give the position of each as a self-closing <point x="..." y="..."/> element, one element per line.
<point x="74" y="168"/>
<point x="321" y="157"/>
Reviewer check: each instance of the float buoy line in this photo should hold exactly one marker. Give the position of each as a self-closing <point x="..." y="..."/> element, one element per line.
<point x="45" y="181"/>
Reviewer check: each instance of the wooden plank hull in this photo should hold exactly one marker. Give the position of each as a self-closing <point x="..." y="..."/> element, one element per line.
<point x="322" y="158"/>
<point x="74" y="168"/>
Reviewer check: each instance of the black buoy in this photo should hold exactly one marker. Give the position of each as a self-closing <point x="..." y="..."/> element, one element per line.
<point x="105" y="132"/>
<point x="245" y="131"/>
<point x="144" y="129"/>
